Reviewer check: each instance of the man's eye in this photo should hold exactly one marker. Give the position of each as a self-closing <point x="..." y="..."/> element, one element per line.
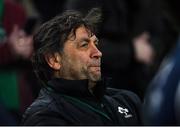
<point x="84" y="44"/>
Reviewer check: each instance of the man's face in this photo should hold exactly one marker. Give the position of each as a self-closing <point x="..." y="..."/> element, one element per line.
<point x="80" y="58"/>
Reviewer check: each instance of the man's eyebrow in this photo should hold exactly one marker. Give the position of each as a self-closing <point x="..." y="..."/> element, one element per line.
<point x="84" y="39"/>
<point x="87" y="39"/>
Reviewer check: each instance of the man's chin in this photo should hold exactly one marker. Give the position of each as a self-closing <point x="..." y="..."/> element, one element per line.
<point x="95" y="78"/>
<point x="94" y="74"/>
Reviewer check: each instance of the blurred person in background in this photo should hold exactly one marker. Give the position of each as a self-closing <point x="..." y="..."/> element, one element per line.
<point x="16" y="76"/>
<point x="162" y="103"/>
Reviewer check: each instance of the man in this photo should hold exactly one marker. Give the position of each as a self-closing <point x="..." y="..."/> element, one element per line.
<point x="68" y="63"/>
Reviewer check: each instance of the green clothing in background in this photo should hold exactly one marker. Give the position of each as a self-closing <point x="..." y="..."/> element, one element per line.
<point x="2" y="32"/>
<point x="9" y="89"/>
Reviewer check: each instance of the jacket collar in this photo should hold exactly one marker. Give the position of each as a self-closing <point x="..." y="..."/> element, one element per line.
<point x="78" y="88"/>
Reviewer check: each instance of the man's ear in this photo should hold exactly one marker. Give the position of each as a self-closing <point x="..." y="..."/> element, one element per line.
<point x="53" y="60"/>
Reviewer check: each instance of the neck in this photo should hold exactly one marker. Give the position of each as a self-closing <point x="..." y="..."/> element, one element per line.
<point x="91" y="85"/>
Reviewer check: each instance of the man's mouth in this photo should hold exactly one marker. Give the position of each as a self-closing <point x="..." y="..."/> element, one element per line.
<point x="96" y="68"/>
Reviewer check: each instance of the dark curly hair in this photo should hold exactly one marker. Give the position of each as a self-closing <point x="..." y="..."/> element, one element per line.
<point x="52" y="35"/>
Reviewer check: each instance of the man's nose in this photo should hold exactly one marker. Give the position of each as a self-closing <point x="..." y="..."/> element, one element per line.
<point x="95" y="52"/>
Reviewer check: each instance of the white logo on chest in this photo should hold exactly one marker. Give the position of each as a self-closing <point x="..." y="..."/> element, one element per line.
<point x="124" y="111"/>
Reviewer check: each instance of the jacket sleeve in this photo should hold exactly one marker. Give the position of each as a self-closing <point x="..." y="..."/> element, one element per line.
<point x="44" y="119"/>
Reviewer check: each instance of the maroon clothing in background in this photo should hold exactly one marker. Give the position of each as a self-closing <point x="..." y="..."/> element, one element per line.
<point x="14" y="13"/>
